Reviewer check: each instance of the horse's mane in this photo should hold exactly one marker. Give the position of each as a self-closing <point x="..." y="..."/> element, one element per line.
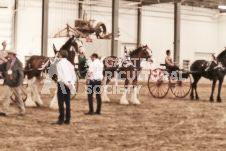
<point x="66" y="44"/>
<point x="221" y="55"/>
<point x="135" y="51"/>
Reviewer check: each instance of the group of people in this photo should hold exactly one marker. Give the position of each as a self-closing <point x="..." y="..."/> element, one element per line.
<point x="66" y="80"/>
<point x="13" y="72"/>
<point x="14" y="76"/>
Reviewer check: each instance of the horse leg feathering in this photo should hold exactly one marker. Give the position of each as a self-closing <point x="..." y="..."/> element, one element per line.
<point x="104" y="93"/>
<point x="54" y="103"/>
<point x="38" y="99"/>
<point x="29" y="102"/>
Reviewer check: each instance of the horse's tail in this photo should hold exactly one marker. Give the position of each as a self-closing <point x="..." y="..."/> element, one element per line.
<point x="27" y="66"/>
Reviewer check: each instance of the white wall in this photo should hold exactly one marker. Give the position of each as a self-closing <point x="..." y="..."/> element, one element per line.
<point x="222" y="32"/>
<point x="157" y="30"/>
<point x="61" y="12"/>
<point x="30" y="19"/>
<point x="29" y="27"/>
<point x="200" y="30"/>
<point x="6" y="23"/>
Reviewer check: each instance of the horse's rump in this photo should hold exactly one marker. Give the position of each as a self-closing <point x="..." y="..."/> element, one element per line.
<point x="33" y="64"/>
<point x="199" y="65"/>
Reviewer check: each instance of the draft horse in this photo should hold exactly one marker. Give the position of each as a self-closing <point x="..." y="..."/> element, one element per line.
<point x="216" y="72"/>
<point x="127" y="73"/>
<point x="37" y="66"/>
<point x="77" y="48"/>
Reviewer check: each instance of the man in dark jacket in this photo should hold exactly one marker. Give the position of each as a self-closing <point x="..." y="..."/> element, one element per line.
<point x="13" y="81"/>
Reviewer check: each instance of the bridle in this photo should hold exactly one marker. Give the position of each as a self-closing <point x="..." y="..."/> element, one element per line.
<point x="77" y="41"/>
<point x="146" y="50"/>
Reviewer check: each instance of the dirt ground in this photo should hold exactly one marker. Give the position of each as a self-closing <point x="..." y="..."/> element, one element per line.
<point x="166" y="124"/>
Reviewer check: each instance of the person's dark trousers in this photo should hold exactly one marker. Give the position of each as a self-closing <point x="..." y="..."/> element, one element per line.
<point x="63" y="95"/>
<point x="172" y="68"/>
<point x="94" y="87"/>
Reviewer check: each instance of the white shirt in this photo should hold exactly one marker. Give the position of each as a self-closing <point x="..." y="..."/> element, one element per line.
<point x="66" y="72"/>
<point x="4" y="54"/>
<point x="96" y="70"/>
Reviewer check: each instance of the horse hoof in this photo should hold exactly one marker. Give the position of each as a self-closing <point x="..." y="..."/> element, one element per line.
<point x="211" y="100"/>
<point x="219" y="101"/>
<point x="38" y="105"/>
<point x="197" y="98"/>
<point x="192" y="98"/>
<point x="106" y="100"/>
<point x="124" y="102"/>
<point x="136" y="102"/>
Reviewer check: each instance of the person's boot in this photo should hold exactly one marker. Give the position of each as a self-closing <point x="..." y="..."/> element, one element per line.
<point x="58" y="122"/>
<point x="89" y="113"/>
<point x="2" y="114"/>
<point x="67" y="122"/>
<point x="97" y="112"/>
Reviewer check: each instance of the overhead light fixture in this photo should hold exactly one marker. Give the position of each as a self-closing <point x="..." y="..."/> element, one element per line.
<point x="222" y="7"/>
<point x="134" y="3"/>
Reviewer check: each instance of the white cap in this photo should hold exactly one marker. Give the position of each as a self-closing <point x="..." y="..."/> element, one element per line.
<point x="10" y="51"/>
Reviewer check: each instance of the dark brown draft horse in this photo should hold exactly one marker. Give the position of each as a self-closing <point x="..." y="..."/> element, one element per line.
<point x="216" y="71"/>
<point x="127" y="73"/>
<point x="36" y="65"/>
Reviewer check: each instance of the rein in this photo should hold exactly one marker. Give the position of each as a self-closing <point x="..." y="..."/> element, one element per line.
<point x="55" y="58"/>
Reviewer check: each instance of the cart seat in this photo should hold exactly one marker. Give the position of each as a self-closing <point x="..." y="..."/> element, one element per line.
<point x="163" y="65"/>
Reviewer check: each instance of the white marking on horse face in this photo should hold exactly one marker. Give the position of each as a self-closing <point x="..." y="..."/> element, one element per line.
<point x="71" y="48"/>
<point x="81" y="49"/>
<point x="149" y="51"/>
<point x="79" y="42"/>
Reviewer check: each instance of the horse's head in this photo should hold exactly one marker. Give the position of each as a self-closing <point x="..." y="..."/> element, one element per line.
<point x="72" y="46"/>
<point x="78" y="45"/>
<point x="142" y="52"/>
<point x="146" y="53"/>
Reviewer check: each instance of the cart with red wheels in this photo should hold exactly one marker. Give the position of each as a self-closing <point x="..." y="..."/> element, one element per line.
<point x="159" y="84"/>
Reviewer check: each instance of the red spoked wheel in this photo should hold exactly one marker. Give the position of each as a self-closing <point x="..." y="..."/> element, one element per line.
<point x="181" y="88"/>
<point x="158" y="83"/>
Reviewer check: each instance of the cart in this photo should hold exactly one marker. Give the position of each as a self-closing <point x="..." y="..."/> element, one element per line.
<point x="159" y="83"/>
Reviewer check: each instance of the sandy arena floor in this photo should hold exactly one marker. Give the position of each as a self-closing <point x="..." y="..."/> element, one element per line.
<point x="167" y="124"/>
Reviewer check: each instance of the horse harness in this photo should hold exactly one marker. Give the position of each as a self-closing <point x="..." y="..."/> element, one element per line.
<point x="218" y="65"/>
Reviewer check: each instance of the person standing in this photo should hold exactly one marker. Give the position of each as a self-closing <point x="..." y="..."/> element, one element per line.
<point x="13" y="81"/>
<point x="3" y="53"/>
<point x="94" y="83"/>
<point x="82" y="65"/>
<point x="66" y="80"/>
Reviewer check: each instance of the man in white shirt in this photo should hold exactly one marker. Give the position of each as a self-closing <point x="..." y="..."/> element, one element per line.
<point x="66" y="80"/>
<point x="3" y="53"/>
<point x="94" y="83"/>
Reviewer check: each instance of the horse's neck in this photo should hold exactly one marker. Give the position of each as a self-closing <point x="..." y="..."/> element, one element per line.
<point x="66" y="47"/>
<point x="136" y="60"/>
<point x="223" y="62"/>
